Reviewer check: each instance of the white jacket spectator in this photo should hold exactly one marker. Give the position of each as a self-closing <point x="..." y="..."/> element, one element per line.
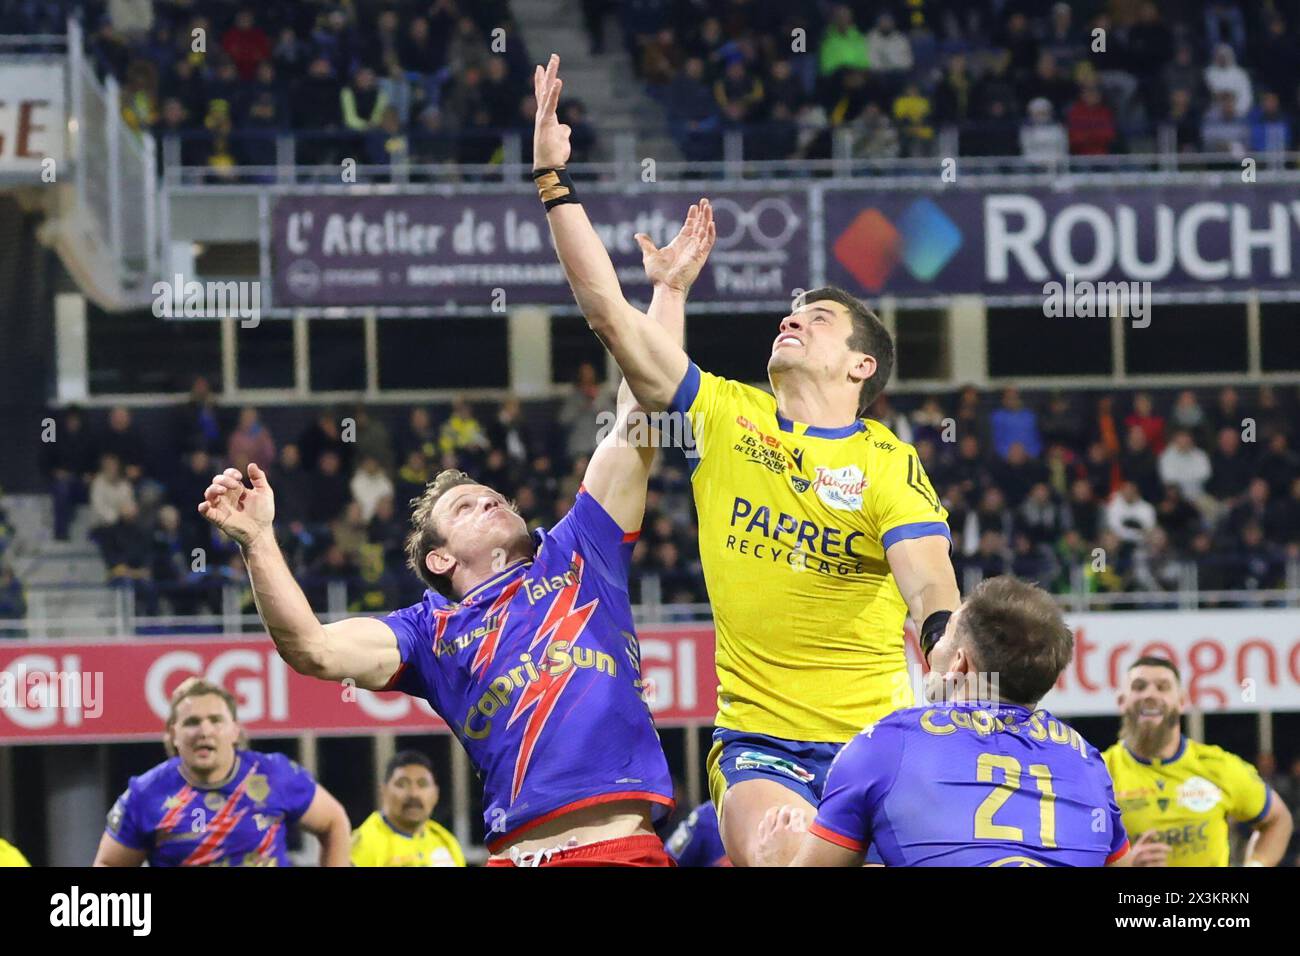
<point x="888" y="48"/>
<point x="1129" y="516"/>
<point x="110" y="493"/>
<point x="1185" y="465"/>
<point x="1043" y="140"/>
<point x="1225" y="76"/>
<point x="370" y="486"/>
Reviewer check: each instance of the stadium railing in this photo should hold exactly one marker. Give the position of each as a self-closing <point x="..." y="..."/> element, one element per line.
<point x="290" y="156"/>
<point x="115" y="609"/>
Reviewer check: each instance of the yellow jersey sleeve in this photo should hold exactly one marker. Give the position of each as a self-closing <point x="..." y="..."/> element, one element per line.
<point x="1247" y="796"/>
<point x="899" y="495"/>
<point x="10" y="856"/>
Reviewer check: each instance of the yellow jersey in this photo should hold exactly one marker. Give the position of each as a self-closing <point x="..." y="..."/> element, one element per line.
<point x="1187" y="799"/>
<point x="10" y="856"/>
<point x="378" y="843"/>
<point x="794" y="523"/>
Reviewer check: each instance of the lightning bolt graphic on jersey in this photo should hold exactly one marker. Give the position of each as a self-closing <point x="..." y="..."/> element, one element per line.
<point x="209" y="850"/>
<point x="563" y="622"/>
<point x="487" y="648"/>
<point x="176" y="804"/>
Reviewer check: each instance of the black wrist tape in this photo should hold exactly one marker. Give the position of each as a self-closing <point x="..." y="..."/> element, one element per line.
<point x="555" y="187"/>
<point x="932" y="630"/>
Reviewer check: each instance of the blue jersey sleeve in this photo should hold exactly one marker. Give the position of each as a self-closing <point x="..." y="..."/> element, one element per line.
<point x="124" y="824"/>
<point x="862" y="773"/>
<point x="294" y="786"/>
<point x="605" y="546"/>
<point x="412" y="627"/>
<point x="1119" y="843"/>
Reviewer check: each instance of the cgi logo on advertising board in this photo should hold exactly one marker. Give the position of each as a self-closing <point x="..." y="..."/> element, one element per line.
<point x="923" y="239"/>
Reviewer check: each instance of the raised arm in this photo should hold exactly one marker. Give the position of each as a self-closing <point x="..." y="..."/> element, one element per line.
<point x="362" y="648"/>
<point x="620" y="468"/>
<point x="652" y="361"/>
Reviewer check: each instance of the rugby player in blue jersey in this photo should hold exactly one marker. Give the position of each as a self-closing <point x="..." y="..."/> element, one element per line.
<point x="523" y="643"/>
<point x="217" y="802"/>
<point x="980" y="776"/>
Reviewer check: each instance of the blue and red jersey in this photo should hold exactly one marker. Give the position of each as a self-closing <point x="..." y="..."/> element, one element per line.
<point x="538" y="673"/>
<point x="240" y="822"/>
<point x="972" y="784"/>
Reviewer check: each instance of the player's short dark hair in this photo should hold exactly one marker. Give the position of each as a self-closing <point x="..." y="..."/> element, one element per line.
<point x="1152" y="661"/>
<point x="424" y="535"/>
<point x="1017" y="632"/>
<point x="408" y="758"/>
<point x="869" y="335"/>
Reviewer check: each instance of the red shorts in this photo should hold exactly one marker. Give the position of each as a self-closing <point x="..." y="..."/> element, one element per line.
<point x="644" y="850"/>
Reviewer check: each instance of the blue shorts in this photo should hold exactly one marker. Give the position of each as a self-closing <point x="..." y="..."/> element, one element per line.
<point x="798" y="765"/>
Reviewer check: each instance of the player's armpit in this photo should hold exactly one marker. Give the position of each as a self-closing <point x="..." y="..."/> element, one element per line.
<point x="113" y="853"/>
<point x="363" y="649"/>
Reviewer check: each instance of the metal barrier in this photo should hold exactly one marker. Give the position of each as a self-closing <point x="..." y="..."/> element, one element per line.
<point x="118" y="616"/>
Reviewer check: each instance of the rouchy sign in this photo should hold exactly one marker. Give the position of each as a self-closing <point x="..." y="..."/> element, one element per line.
<point x="99" y="691"/>
<point x="1012" y="242"/>
<point x="488" y="252"/>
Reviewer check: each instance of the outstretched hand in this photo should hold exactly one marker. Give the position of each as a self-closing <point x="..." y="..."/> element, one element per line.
<point x="678" y="264"/>
<point x="550" y="136"/>
<point x="242" y="513"/>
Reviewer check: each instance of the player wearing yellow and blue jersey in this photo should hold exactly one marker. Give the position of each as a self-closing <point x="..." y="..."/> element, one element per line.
<point x="1180" y="793"/>
<point x="819" y="531"/>
<point x="401" y="832"/>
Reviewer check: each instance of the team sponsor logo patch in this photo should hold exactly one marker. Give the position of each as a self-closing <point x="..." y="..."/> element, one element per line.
<point x="753" y="760"/>
<point x="258" y="787"/>
<point x="840" y="488"/>
<point x="800" y="484"/>
<point x="1198" y="795"/>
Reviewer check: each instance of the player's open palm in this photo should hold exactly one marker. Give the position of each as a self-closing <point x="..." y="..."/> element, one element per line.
<point x="550" y="136"/>
<point x="242" y="513"/>
<point x="678" y="264"/>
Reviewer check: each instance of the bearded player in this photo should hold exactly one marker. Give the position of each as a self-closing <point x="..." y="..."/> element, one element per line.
<point x="524" y="643"/>
<point x="819" y="530"/>
<point x="1181" y="794"/>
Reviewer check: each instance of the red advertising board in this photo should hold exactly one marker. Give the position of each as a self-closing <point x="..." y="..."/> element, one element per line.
<point x="100" y="691"/>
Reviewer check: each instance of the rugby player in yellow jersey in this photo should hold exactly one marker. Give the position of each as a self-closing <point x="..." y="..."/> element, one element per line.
<point x="819" y="530"/>
<point x="401" y="832"/>
<point x="1178" y="793"/>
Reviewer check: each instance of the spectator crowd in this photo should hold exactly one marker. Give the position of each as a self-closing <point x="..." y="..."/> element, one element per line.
<point x="1081" y="491"/>
<point x="1082" y="79"/>
<point x="440" y="81"/>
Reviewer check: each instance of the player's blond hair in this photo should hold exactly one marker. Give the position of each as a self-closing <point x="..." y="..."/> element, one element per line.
<point x="198" y="687"/>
